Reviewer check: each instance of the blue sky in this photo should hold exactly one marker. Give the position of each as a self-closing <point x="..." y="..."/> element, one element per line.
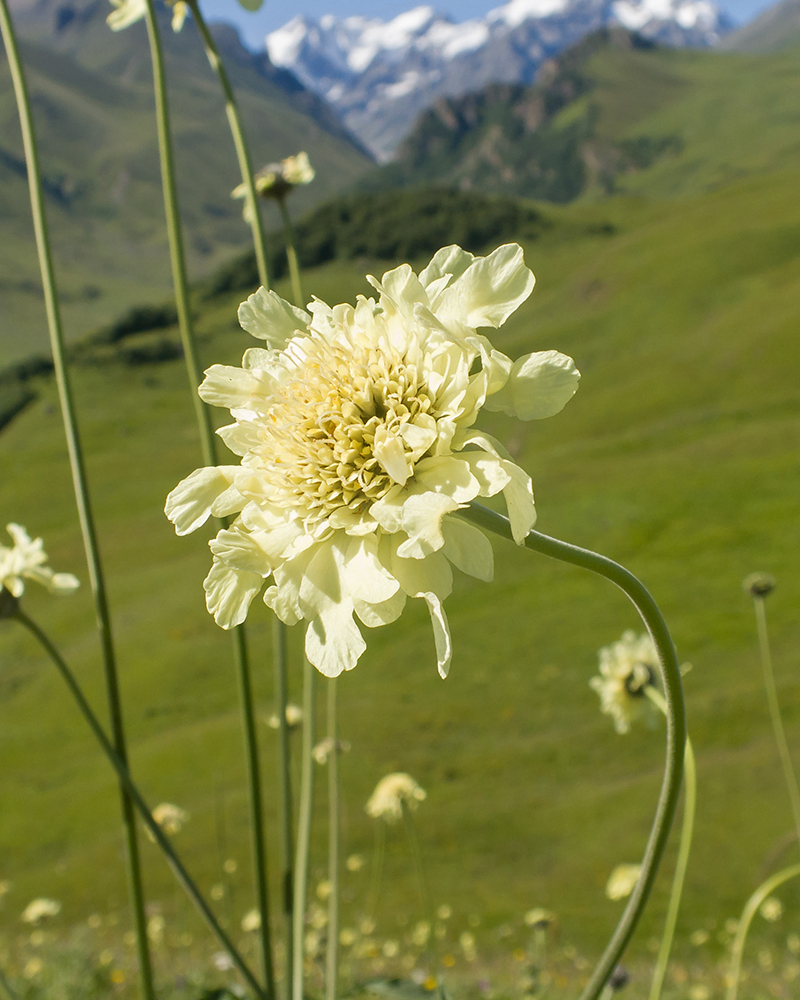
<point x="273" y="14"/>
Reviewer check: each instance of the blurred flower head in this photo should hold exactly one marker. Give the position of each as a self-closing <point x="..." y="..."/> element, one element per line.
<point x="391" y="794"/>
<point x="26" y="560"/>
<point x="627" y="667"/>
<point x="325" y="748"/>
<point x="251" y="921"/>
<point x="771" y="909"/>
<point x="170" y="818"/>
<point x="758" y="584"/>
<point x="357" y="445"/>
<point x="355" y="862"/>
<point x="294" y="716"/>
<point x="128" y="12"/>
<point x="39" y="909"/>
<point x="277" y="180"/>
<point x="622" y="880"/>
<point x="539" y="917"/>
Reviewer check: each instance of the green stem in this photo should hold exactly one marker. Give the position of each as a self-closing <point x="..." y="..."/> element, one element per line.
<point x="135" y="796"/>
<point x="10" y="993"/>
<point x="332" y="955"/>
<point x="239" y="141"/>
<point x="287" y="880"/>
<point x="80" y="486"/>
<point x="676" y="721"/>
<point x="746" y="919"/>
<point x="291" y="253"/>
<point x="684" y="848"/>
<point x="775" y="710"/>
<point x="303" y="829"/>
<point x="208" y="445"/>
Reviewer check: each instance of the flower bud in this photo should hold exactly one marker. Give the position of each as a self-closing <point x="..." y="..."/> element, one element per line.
<point x="758" y="584"/>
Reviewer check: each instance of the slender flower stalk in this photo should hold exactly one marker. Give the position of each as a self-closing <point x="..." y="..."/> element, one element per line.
<point x="291" y="253"/>
<point x="136" y="798"/>
<point x="287" y="880"/>
<point x="684" y="848"/>
<point x="80" y="486"/>
<point x="759" y="586"/>
<point x="303" y="830"/>
<point x="208" y="445"/>
<point x="239" y="141"/>
<point x="749" y="911"/>
<point x="675" y="713"/>
<point x="332" y="955"/>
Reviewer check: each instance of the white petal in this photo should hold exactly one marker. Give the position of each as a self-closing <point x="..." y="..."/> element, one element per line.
<point x="333" y="641"/>
<point x="269" y="317"/>
<point x="189" y="504"/>
<point x="441" y="634"/>
<point x="321" y="583"/>
<point x="422" y="522"/>
<point x="366" y="578"/>
<point x="417" y="437"/>
<point x="375" y="615"/>
<point x="389" y="451"/>
<point x="232" y="387"/>
<point x="488" y="470"/>
<point x="239" y="550"/>
<point x="229" y="593"/>
<point x="468" y="548"/>
<point x="489" y="290"/>
<point x="451" y="261"/>
<point x="421" y="576"/>
<point x="448" y="474"/>
<point x="539" y="385"/>
<point x="64" y="583"/>
<point x="519" y="501"/>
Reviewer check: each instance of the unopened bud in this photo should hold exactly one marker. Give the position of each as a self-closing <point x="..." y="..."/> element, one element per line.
<point x="619" y="979"/>
<point x="758" y="584"/>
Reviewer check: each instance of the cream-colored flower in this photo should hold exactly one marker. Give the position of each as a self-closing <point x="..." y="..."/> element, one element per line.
<point x="294" y="716"/>
<point x="622" y="880"/>
<point x="128" y="12"/>
<point x="357" y="445"/>
<point x="5" y="887"/>
<point x="170" y="817"/>
<point x="355" y="863"/>
<point x="324" y="749"/>
<point x="391" y="792"/>
<point x="26" y="561"/>
<point x="539" y="917"/>
<point x="251" y="921"/>
<point x="771" y="909"/>
<point x="627" y="667"/>
<point x="39" y="909"/>
<point x="277" y="180"/>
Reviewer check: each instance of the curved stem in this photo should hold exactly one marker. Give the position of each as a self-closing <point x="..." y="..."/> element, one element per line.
<point x="239" y="141"/>
<point x="676" y="720"/>
<point x="121" y="767"/>
<point x="684" y="848"/>
<point x="291" y="253"/>
<point x="746" y="919"/>
<point x="209" y="451"/>
<point x="287" y="896"/>
<point x="332" y="955"/>
<point x="775" y="710"/>
<point x="80" y="487"/>
<point x="303" y="829"/>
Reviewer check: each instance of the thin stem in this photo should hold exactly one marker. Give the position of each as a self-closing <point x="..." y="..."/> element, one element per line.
<point x="775" y="709"/>
<point x="138" y="801"/>
<point x="287" y="880"/>
<point x="291" y="253"/>
<point x="209" y="451"/>
<point x="80" y="486"/>
<point x="10" y="993"/>
<point x="684" y="848"/>
<point x="746" y="919"/>
<point x="253" y="211"/>
<point x="303" y="829"/>
<point x="332" y="955"/>
<point x="676" y="721"/>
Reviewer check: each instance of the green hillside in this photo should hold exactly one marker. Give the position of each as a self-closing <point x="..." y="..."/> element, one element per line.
<point x="678" y="456"/>
<point x="614" y="114"/>
<point x="778" y="27"/>
<point x="93" y="107"/>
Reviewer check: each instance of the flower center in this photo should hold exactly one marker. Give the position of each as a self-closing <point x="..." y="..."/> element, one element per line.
<point x="639" y="678"/>
<point x="325" y="422"/>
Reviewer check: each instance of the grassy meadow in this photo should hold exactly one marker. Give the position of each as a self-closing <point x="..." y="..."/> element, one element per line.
<point x="678" y="457"/>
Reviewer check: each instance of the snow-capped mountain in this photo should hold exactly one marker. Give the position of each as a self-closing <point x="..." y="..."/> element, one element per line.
<point x="379" y="75"/>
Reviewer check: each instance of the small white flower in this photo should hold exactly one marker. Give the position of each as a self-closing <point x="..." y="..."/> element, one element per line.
<point x="222" y="960"/>
<point x="627" y="667"/>
<point x="771" y="909"/>
<point x="324" y="749"/>
<point x="251" y="921"/>
<point x="155" y="928"/>
<point x="40" y="908"/>
<point x="170" y="818"/>
<point x="26" y="561"/>
<point x="355" y="430"/>
<point x="277" y="180"/>
<point x="622" y="880"/>
<point x="391" y="792"/>
<point x="294" y="716"/>
<point x="128" y="12"/>
<point x="539" y="917"/>
<point x="355" y="863"/>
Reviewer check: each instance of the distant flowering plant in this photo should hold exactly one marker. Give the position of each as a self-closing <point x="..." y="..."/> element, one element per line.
<point x="128" y="12"/>
<point x="26" y="560"/>
<point x="627" y="667"/>
<point x="277" y="180"/>
<point x="355" y="431"/>
<point x="38" y="909"/>
<point x="391" y="794"/>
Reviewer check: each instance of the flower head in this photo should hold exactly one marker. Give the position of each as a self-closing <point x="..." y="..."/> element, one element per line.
<point x="277" y="180"/>
<point x="26" y="560"/>
<point x="251" y="921"/>
<point x="40" y="908"/>
<point x="627" y="667"/>
<point x="355" y="432"/>
<point x="170" y="818"/>
<point x="391" y="793"/>
<point x="758" y="584"/>
<point x="622" y="880"/>
<point x="294" y="716"/>
<point x="128" y="12"/>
